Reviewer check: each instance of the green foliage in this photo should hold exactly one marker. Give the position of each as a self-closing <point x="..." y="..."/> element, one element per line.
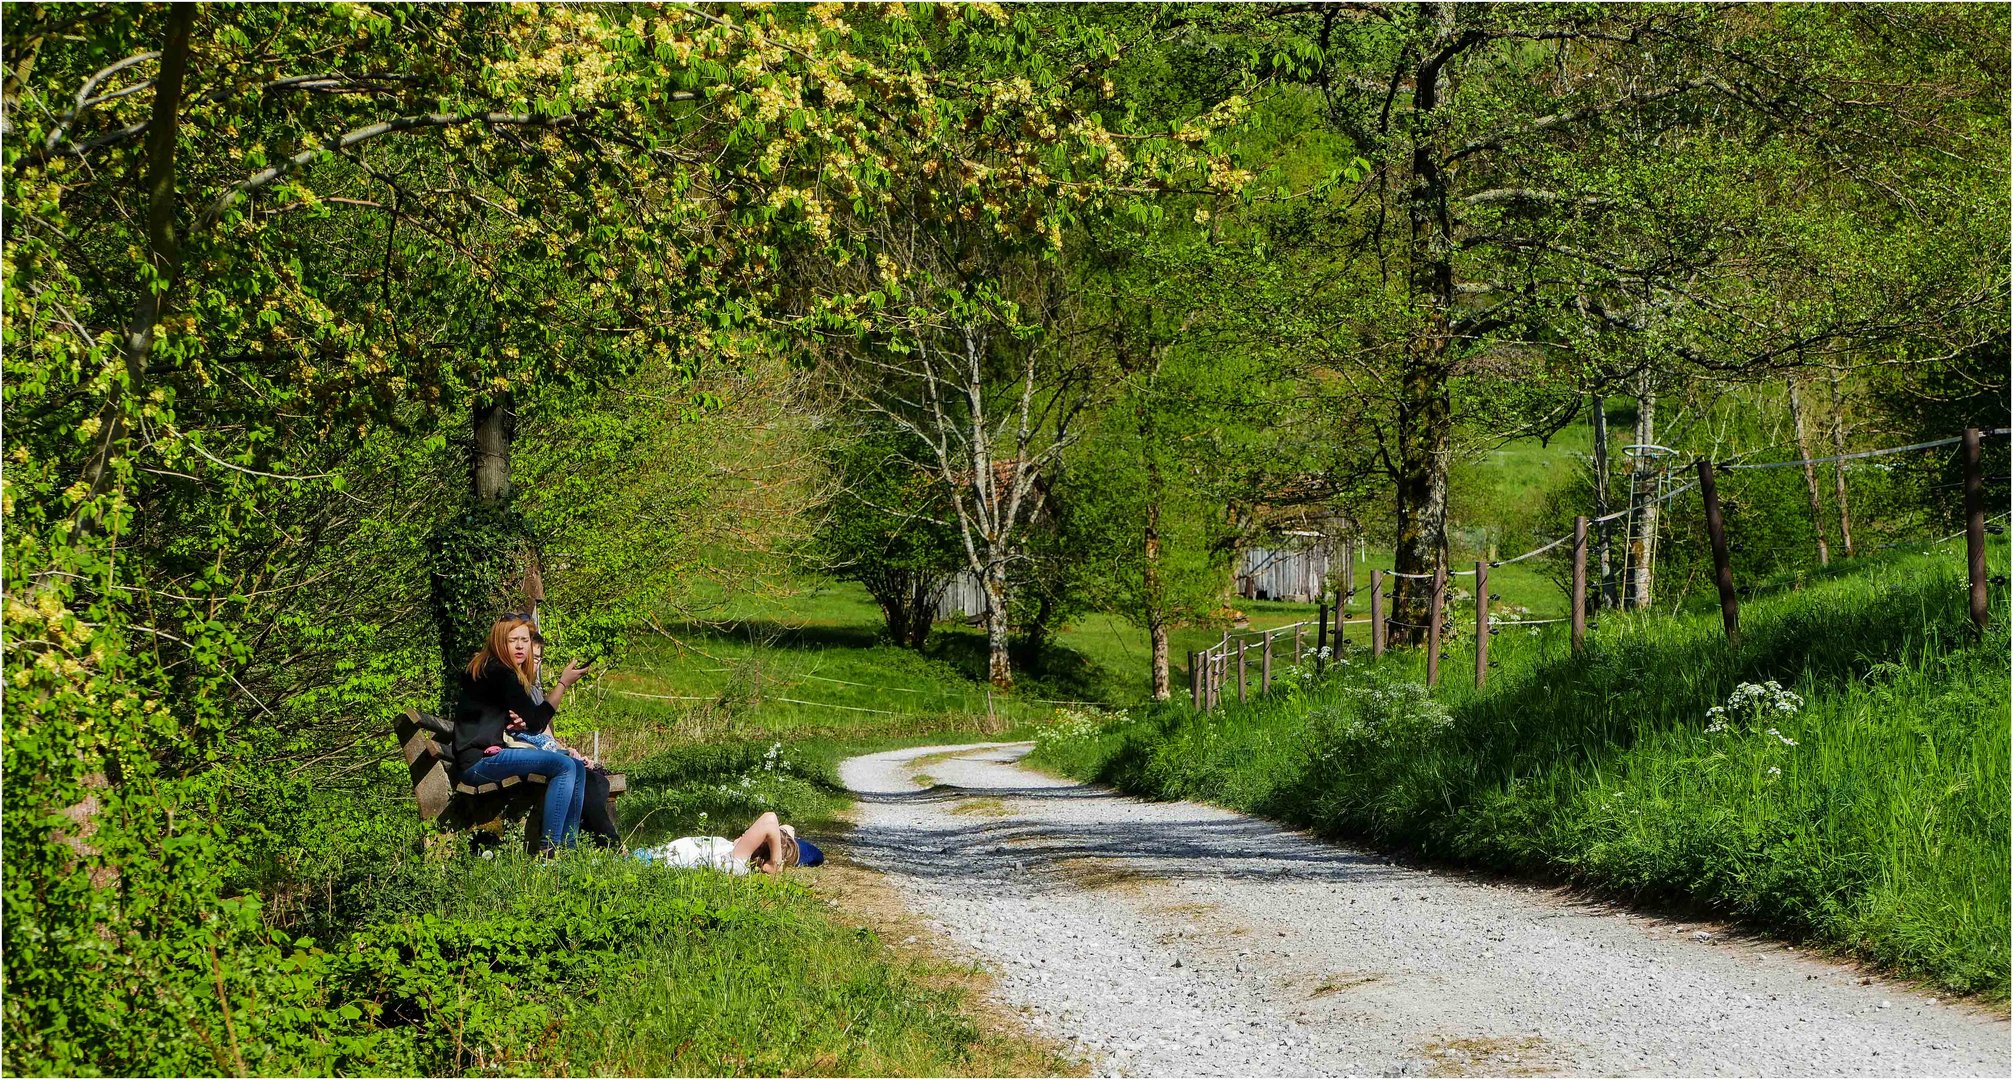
<point x="888" y="525"/>
<point x="1869" y="815"/>
<point x="472" y="560"/>
<point x="237" y="378"/>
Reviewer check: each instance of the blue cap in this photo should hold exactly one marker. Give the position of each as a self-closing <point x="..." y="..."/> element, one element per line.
<point x="808" y="853"/>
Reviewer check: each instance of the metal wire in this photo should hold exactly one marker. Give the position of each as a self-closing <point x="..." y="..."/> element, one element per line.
<point x="1851" y="457"/>
<point x="1532" y="552"/>
<point x="1666" y="497"/>
<point x="1674" y="493"/>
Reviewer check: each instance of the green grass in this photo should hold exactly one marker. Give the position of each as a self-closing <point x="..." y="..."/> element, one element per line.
<point x="811" y="665"/>
<point x="766" y="982"/>
<point x="1882" y="832"/>
<point x="599" y="965"/>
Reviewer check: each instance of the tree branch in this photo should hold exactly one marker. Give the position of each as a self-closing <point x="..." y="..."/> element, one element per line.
<point x="335" y="144"/>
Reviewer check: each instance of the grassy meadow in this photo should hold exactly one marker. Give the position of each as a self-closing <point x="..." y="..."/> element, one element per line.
<point x="1868" y="812"/>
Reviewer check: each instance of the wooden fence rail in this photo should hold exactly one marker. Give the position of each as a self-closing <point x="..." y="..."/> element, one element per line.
<point x="1209" y="667"/>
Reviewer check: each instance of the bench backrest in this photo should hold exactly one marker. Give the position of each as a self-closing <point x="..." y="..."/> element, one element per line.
<point x="426" y="760"/>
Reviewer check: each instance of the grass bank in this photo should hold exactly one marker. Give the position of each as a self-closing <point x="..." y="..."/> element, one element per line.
<point x="370" y="950"/>
<point x="1868" y="812"/>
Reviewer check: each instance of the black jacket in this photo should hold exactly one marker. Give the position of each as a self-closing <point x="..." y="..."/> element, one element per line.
<point x="485" y="707"/>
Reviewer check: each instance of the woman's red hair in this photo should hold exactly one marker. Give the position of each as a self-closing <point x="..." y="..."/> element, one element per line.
<point x="498" y="648"/>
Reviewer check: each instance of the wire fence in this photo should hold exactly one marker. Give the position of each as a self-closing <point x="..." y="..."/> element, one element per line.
<point x="1209" y="668"/>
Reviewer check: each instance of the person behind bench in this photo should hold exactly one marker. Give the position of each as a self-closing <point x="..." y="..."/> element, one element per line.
<point x="496" y="684"/>
<point x="597" y="810"/>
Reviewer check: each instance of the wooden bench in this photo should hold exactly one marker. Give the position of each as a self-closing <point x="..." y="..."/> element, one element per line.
<point x="425" y="740"/>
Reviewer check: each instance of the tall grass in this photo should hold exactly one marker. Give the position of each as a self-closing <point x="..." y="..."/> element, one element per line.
<point x="1874" y="819"/>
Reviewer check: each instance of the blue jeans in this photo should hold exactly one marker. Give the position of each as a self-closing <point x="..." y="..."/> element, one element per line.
<point x="565" y="786"/>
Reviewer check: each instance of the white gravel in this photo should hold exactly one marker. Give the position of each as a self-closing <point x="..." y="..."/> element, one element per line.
<point x="1173" y="939"/>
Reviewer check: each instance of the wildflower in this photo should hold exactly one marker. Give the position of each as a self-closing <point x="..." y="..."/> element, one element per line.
<point x="1749" y="702"/>
<point x="1774" y="771"/>
<point x="1780" y="737"/>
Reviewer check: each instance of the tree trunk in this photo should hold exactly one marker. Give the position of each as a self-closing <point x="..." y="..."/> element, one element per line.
<point x="925" y="590"/>
<point x="1838" y="467"/>
<point x="1154" y="588"/>
<point x="1423" y="449"/>
<point x="489" y="464"/>
<point x="1000" y="667"/>
<point x="1425" y="413"/>
<point x="1643" y="539"/>
<point x="164" y="253"/>
<point x="1604" y="537"/>
<point x="164" y="245"/>
<point x="1809" y="472"/>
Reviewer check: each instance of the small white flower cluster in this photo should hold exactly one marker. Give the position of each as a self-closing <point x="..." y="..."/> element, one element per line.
<point x="1076" y="723"/>
<point x="1749" y="702"/>
<point x="756" y="785"/>
<point x="1386" y="714"/>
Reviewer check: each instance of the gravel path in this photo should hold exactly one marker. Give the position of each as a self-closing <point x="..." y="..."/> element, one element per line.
<point x="1178" y="939"/>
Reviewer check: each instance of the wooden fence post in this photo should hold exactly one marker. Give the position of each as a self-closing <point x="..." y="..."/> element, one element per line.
<point x="1722" y="563"/>
<point x="1481" y="623"/>
<point x="1219" y="666"/>
<point x="1265" y="666"/>
<point x="1974" y="527"/>
<point x="1299" y="631"/>
<point x="1241" y="643"/>
<point x="1194" y="681"/>
<point x="1320" y="631"/>
<point x="1579" y="585"/>
<point x="1202" y="661"/>
<point x="1376" y="613"/>
<point x="1433" y="626"/>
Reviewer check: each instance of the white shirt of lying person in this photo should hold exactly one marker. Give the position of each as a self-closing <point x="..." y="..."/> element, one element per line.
<point x="696" y="853"/>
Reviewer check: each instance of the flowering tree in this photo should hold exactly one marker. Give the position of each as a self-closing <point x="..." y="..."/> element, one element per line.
<point x="261" y="259"/>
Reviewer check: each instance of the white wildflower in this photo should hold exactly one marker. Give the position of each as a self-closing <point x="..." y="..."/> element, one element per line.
<point x="1749" y="702"/>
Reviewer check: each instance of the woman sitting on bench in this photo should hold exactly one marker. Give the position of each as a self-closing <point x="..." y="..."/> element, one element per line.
<point x="496" y="684"/>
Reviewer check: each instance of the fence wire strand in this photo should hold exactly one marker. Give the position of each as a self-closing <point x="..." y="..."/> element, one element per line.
<point x="1854" y="456"/>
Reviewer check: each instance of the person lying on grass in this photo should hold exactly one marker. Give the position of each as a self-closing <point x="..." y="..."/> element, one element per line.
<point x="769" y="846"/>
<point x="495" y="687"/>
